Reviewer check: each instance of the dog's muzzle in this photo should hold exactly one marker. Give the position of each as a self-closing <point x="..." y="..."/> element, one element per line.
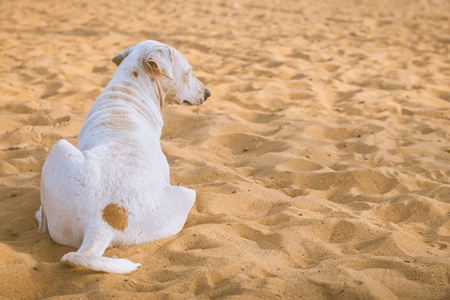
<point x="206" y="94"/>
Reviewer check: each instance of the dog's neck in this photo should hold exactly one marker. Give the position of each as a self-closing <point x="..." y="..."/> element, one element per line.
<point x="140" y="92"/>
<point x="144" y="86"/>
<point x="131" y="101"/>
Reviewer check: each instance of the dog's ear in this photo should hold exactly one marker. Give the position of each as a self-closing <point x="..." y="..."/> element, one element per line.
<point x="160" y="59"/>
<point x="122" y="55"/>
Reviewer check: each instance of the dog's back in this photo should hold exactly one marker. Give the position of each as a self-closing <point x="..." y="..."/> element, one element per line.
<point x="114" y="189"/>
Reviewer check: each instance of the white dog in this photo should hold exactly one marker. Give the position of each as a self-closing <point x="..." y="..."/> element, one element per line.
<point x="114" y="188"/>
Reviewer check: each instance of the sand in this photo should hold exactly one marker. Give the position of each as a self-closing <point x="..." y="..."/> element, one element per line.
<point x="321" y="162"/>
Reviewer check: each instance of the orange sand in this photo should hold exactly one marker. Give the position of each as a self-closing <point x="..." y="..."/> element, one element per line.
<point x="321" y="161"/>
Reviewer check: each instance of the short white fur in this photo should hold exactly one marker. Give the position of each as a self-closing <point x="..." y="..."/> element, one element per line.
<point x="113" y="189"/>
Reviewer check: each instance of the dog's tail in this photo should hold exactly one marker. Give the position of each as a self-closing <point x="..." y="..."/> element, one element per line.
<point x="100" y="263"/>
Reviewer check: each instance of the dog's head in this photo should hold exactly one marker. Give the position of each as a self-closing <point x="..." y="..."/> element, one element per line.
<point x="169" y="69"/>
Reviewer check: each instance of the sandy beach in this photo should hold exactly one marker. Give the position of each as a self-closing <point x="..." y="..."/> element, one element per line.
<point x="321" y="162"/>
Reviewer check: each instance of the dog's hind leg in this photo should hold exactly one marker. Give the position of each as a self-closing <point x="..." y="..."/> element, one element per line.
<point x="96" y="239"/>
<point x="57" y="190"/>
<point x="176" y="204"/>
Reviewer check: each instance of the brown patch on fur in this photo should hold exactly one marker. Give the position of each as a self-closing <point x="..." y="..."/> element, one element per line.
<point x="135" y="74"/>
<point x="161" y="93"/>
<point x="155" y="76"/>
<point x="115" y="216"/>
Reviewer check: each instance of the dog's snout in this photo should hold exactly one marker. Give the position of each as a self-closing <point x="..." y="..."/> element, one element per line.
<point x="207" y="94"/>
